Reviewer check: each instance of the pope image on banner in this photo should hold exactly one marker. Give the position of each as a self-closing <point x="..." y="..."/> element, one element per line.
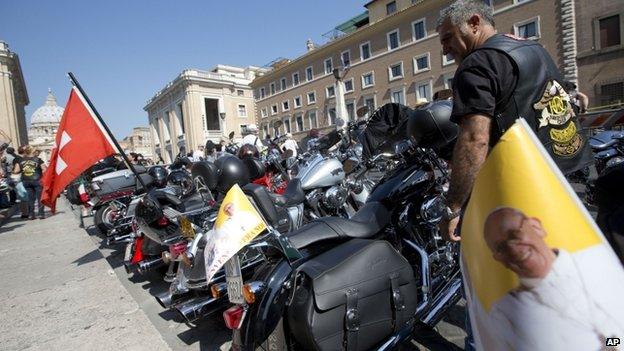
<point x="237" y="224"/>
<point x="538" y="273"/>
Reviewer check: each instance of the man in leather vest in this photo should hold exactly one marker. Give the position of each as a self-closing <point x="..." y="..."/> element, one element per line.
<point x="501" y="78"/>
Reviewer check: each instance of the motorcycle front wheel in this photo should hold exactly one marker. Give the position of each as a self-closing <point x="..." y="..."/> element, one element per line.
<point x="103" y="219"/>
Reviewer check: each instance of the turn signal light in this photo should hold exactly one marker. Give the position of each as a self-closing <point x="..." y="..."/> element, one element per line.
<point x="251" y="290"/>
<point x="166" y="257"/>
<point x="233" y="317"/>
<point x="218" y="290"/>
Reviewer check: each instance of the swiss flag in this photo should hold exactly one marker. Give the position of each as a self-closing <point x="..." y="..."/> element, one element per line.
<point x="80" y="143"/>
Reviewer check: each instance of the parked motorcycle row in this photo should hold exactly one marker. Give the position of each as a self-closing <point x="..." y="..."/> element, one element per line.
<point x="351" y="257"/>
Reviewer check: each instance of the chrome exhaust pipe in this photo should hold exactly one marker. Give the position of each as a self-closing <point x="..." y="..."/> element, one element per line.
<point x="166" y="299"/>
<point x="148" y="265"/>
<point x="195" y="309"/>
<point x="121" y="239"/>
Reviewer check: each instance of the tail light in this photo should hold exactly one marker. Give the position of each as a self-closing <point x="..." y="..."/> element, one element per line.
<point x="162" y="221"/>
<point x="218" y="290"/>
<point x="84" y="198"/>
<point x="233" y="317"/>
<point x="178" y="248"/>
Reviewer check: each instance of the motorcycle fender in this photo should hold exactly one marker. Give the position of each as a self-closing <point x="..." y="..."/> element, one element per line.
<point x="264" y="315"/>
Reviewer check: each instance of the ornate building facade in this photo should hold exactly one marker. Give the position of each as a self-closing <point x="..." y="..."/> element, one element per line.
<point x="201" y="105"/>
<point x="140" y="142"/>
<point x="44" y="123"/>
<point x="13" y="98"/>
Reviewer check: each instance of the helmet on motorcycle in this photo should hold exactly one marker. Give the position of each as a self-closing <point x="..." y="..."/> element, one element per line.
<point x="255" y="167"/>
<point x="248" y="150"/>
<point x="205" y="173"/>
<point x="231" y="170"/>
<point x="431" y="127"/>
<point x="159" y="175"/>
<point x="182" y="179"/>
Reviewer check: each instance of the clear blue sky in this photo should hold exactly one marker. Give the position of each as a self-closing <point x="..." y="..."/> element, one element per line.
<point x="122" y="52"/>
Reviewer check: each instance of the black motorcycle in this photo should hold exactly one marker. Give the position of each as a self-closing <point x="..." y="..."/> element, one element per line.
<point x="363" y="282"/>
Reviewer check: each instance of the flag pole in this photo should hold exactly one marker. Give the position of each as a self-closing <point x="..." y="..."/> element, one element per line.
<point x="110" y="135"/>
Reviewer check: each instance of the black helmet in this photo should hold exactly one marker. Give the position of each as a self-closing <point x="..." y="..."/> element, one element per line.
<point x="255" y="167"/>
<point x="206" y="173"/>
<point x="182" y="179"/>
<point x="431" y="126"/>
<point x="159" y="175"/>
<point x="231" y="170"/>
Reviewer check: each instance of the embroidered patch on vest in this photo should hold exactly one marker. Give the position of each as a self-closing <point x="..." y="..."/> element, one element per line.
<point x="554" y="112"/>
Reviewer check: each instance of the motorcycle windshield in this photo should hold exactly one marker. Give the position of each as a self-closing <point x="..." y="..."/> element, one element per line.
<point x="384" y="128"/>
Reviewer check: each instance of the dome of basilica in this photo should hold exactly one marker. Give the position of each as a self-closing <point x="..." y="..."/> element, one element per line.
<point x="49" y="113"/>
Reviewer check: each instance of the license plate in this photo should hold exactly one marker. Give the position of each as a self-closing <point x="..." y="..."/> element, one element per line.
<point x="234" y="280"/>
<point x="128" y="253"/>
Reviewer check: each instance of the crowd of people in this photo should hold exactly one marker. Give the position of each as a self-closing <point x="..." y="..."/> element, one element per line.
<point x="20" y="173"/>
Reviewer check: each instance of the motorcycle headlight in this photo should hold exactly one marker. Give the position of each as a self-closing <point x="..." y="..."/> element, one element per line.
<point x="615" y="161"/>
<point x="432" y="209"/>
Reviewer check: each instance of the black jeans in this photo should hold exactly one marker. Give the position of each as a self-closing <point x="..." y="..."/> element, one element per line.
<point x="33" y="187"/>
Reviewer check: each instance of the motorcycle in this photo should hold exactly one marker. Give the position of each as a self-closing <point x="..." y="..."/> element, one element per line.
<point x="363" y="282"/>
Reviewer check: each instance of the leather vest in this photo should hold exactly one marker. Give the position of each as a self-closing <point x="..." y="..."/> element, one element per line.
<point x="540" y="99"/>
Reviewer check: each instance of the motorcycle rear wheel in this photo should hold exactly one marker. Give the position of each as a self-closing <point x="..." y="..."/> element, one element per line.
<point x="102" y="219"/>
<point x="276" y="340"/>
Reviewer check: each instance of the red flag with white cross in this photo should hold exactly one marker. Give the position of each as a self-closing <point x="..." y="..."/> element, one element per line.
<point x="81" y="141"/>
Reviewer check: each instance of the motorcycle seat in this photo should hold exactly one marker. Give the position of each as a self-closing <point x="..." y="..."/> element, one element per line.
<point x="368" y="221"/>
<point x="293" y="195"/>
<point x="604" y="146"/>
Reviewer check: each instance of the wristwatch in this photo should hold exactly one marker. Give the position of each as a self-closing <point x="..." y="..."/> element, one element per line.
<point x="450" y="214"/>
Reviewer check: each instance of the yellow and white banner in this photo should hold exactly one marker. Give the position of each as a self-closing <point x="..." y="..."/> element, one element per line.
<point x="236" y="225"/>
<point x="538" y="273"/>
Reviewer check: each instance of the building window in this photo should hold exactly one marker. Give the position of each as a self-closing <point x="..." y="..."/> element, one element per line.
<point x="370" y="103"/>
<point x="423" y="90"/>
<point x="609" y="31"/>
<point x="273" y="88"/>
<point x="395" y="71"/>
<point x="331" y="113"/>
<point x="295" y="78"/>
<point x="398" y="97"/>
<point x="368" y="80"/>
<point x="419" y="31"/>
<point x="448" y="81"/>
<point x="264" y="112"/>
<point x="265" y="130"/>
<point x="330" y="91"/>
<point x="287" y="125"/>
<point x="612" y="93"/>
<point x="240" y="92"/>
<point x="242" y="110"/>
<point x="391" y="7"/>
<point x="393" y="39"/>
<point x="312" y="119"/>
<point x="309" y="74"/>
<point x="421" y="63"/>
<point x="311" y="97"/>
<point x="262" y="93"/>
<point x="180" y="117"/>
<point x="365" y="51"/>
<point x="447" y="60"/>
<point x="328" y="66"/>
<point x="299" y="123"/>
<point x="297" y="101"/>
<point x="348" y="84"/>
<point x="274" y="109"/>
<point x="351" y="111"/>
<point x="528" y="29"/>
<point x="346" y="58"/>
<point x="283" y="84"/>
<point x="285" y="106"/>
<point x="276" y="130"/>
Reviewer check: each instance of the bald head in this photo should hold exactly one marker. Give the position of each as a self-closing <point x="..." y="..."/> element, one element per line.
<point x="517" y="241"/>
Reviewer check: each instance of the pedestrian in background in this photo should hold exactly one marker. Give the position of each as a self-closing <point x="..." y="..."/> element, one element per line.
<point x="31" y="169"/>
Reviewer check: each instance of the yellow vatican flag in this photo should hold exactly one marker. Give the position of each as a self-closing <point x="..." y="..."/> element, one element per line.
<point x="238" y="222"/>
<point x="538" y="273"/>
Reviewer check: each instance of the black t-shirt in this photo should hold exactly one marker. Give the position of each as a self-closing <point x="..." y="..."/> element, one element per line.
<point x="31" y="168"/>
<point x="483" y="81"/>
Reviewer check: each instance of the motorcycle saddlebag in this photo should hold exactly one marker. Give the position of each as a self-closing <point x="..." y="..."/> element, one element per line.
<point x="352" y="297"/>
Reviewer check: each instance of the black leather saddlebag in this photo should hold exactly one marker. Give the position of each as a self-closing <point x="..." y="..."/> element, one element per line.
<point x="352" y="297"/>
